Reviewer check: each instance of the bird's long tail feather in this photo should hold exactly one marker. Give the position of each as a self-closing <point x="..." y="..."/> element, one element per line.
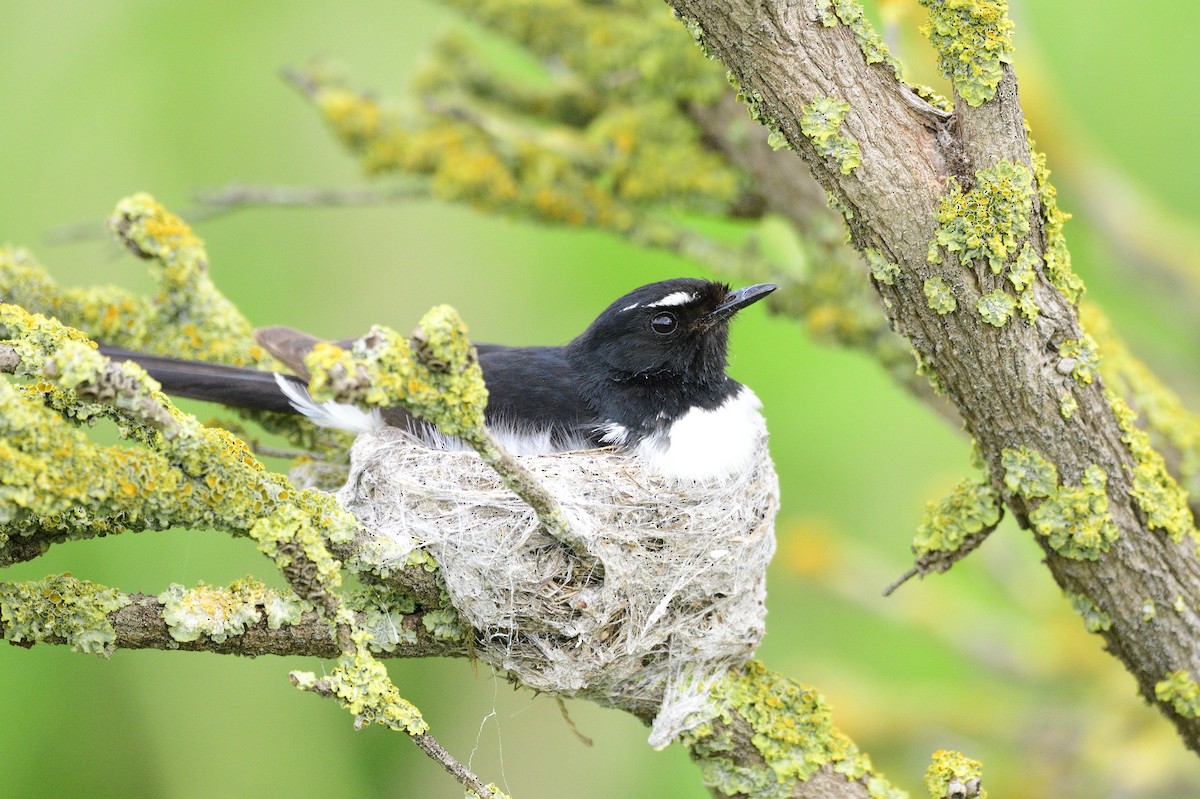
<point x="234" y="386"/>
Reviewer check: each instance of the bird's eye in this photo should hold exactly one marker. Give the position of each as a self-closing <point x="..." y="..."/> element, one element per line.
<point x="663" y="324"/>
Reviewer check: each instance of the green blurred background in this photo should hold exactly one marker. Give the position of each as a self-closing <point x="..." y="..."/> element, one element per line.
<point x="103" y="99"/>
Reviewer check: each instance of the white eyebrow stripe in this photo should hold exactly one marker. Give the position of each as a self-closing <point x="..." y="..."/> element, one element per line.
<point x="677" y="298"/>
<point x="629" y="307"/>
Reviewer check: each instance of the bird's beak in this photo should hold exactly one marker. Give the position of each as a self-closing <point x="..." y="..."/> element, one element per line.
<point x="736" y="300"/>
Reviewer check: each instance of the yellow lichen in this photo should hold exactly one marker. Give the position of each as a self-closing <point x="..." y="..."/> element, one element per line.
<point x="435" y="374"/>
<point x="1058" y="257"/>
<point x="973" y="39"/>
<point x="1027" y="473"/>
<point x="1158" y="495"/>
<point x="61" y="608"/>
<point x="990" y="221"/>
<point x="968" y="509"/>
<point x="793" y="732"/>
<point x="948" y="768"/>
<point x="361" y="685"/>
<point x="1181" y="691"/>
<point x="1076" y="521"/>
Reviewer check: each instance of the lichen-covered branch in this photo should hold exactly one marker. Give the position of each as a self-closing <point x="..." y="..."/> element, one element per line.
<point x="58" y="485"/>
<point x="772" y="737"/>
<point x="244" y="619"/>
<point x="963" y="205"/>
<point x="952" y="528"/>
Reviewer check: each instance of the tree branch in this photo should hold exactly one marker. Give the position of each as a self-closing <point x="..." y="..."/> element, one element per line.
<point x="141" y="625"/>
<point x="1011" y="381"/>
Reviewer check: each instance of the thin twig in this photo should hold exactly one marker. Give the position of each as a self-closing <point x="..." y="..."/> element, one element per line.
<point x="234" y="197"/>
<point x="427" y="744"/>
<point x="438" y="753"/>
<point x="562" y="708"/>
<point x="214" y="203"/>
<point x="939" y="561"/>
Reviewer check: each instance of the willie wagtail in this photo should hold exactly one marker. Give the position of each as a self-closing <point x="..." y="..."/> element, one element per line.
<point x="647" y="376"/>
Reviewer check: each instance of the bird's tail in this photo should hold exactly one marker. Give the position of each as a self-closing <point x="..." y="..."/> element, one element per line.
<point x="234" y="386"/>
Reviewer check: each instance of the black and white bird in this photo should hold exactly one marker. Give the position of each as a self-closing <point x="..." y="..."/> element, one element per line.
<point x="647" y="377"/>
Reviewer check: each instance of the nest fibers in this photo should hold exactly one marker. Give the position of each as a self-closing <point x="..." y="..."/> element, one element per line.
<point x="673" y="596"/>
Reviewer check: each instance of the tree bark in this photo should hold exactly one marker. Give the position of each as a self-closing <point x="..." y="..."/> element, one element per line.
<point x="1006" y="382"/>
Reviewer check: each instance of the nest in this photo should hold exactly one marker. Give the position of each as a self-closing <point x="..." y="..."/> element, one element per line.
<point x="668" y="595"/>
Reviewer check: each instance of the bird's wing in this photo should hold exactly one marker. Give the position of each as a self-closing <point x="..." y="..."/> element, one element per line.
<point x="536" y="388"/>
<point x="289" y="346"/>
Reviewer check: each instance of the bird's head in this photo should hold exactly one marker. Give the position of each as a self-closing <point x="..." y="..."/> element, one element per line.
<point x="671" y="330"/>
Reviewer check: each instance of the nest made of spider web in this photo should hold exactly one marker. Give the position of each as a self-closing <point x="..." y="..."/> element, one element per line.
<point x="669" y="595"/>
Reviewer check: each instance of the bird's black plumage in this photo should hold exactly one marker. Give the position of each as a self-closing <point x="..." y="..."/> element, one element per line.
<point x="653" y="358"/>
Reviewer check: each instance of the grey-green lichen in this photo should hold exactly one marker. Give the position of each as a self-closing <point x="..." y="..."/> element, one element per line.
<point x="948" y="768"/>
<point x="835" y="202"/>
<point x="1157" y="494"/>
<point x="882" y="269"/>
<point x="988" y="222"/>
<point x="973" y="38"/>
<point x="939" y="296"/>
<point x="1080" y="358"/>
<point x="61" y="608"/>
<point x="793" y="732"/>
<point x="1027" y="473"/>
<point x="382" y="615"/>
<point x="819" y="122"/>
<point x="1148" y="609"/>
<point x="1027" y="305"/>
<point x="297" y="538"/>
<point x="445" y="624"/>
<point x="220" y="613"/>
<point x="1067" y="405"/>
<point x="1023" y="271"/>
<point x="361" y="685"/>
<point x="996" y="308"/>
<point x="1076" y="521"/>
<point x="1181" y="691"/>
<point x="926" y="370"/>
<point x="971" y="507"/>
<point x="385" y="555"/>
<point x="1094" y="619"/>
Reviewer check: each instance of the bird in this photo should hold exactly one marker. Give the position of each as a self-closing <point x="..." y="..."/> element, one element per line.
<point x="646" y="377"/>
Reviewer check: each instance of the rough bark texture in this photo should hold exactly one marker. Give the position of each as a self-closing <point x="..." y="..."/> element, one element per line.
<point x="140" y="625"/>
<point x="1005" y="382"/>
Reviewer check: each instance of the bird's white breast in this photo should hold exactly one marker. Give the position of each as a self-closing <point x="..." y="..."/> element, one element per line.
<point x="707" y="444"/>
